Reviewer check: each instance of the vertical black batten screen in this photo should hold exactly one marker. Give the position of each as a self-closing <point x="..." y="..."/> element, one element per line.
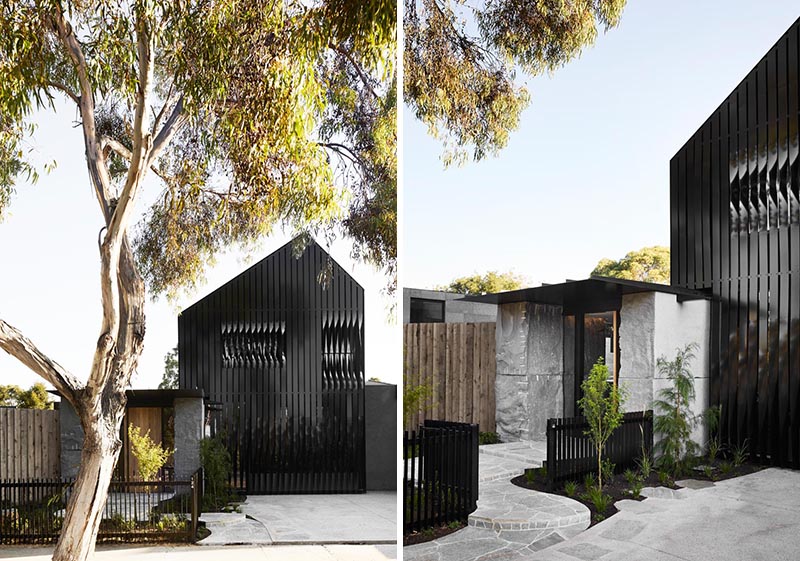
<point x="735" y="230"/>
<point x="283" y="355"/>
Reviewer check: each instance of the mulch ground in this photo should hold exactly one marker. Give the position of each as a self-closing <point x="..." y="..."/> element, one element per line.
<point x="429" y="534"/>
<point x="618" y="487"/>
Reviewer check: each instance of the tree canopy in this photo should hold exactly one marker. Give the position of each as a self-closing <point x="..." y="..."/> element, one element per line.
<point x="460" y="61"/>
<point x="35" y="397"/>
<point x="649" y="264"/>
<point x="258" y="114"/>
<point x="487" y="283"/>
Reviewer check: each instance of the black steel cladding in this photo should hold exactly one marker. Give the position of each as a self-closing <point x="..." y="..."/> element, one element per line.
<point x="283" y="356"/>
<point x="735" y="231"/>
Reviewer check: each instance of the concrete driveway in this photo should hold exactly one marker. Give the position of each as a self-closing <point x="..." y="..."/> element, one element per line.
<point x="753" y="518"/>
<point x="369" y="518"/>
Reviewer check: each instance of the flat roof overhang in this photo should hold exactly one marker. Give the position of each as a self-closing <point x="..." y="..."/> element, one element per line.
<point x="154" y="398"/>
<point x="595" y="294"/>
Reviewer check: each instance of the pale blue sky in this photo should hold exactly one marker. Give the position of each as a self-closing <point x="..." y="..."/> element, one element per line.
<point x="49" y="271"/>
<point x="586" y="175"/>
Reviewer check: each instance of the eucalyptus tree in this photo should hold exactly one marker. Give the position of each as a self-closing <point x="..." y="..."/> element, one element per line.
<point x="247" y="113"/>
<point x="461" y="59"/>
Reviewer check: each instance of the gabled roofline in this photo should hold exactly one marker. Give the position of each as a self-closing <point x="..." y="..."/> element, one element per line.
<point x="257" y="263"/>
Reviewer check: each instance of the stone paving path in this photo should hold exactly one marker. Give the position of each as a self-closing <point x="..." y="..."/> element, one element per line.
<point x="510" y="522"/>
<point x="368" y="518"/>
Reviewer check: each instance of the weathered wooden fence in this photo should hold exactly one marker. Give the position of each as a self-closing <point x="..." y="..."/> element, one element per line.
<point x="456" y="361"/>
<point x="440" y="474"/>
<point x="30" y="444"/>
<point x="571" y="454"/>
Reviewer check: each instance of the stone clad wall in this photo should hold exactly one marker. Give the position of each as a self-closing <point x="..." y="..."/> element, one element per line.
<point x="71" y="440"/>
<point x="529" y="379"/>
<point x="654" y="325"/>
<point x="188" y="434"/>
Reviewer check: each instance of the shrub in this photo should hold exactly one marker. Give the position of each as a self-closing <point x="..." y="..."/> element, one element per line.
<point x="725" y="468"/>
<point x="589" y="481"/>
<point x="712" y="416"/>
<point x="570" y="488"/>
<point x="151" y="456"/>
<point x="608" y="470"/>
<point x="674" y="420"/>
<point x="216" y="461"/>
<point x="488" y="438"/>
<point x="664" y="478"/>
<point x="601" y="406"/>
<point x="530" y="475"/>
<point x="630" y="476"/>
<point x="645" y="464"/>
<point x="636" y="488"/>
<point x="740" y="453"/>
<point x="600" y="500"/>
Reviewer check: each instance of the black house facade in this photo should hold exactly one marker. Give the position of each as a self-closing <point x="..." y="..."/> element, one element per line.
<point x="280" y="356"/>
<point x="735" y="233"/>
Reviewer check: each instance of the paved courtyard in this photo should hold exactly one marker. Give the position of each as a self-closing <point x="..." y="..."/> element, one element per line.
<point x="369" y="518"/>
<point x="755" y="518"/>
<point x="510" y="522"/>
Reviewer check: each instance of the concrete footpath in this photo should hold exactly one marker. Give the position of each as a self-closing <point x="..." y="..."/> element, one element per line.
<point x="240" y="553"/>
<point x="751" y="518"/>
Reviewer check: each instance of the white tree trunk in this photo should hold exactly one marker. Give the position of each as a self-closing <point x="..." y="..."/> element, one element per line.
<point x="90" y="491"/>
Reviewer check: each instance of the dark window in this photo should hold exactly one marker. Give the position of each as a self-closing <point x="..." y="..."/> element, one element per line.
<point x="249" y="345"/>
<point x="426" y="311"/>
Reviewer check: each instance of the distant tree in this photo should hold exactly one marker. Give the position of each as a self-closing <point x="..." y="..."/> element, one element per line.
<point x="170" y="379"/>
<point x="649" y="264"/>
<point x="461" y="58"/>
<point x="35" y="397"/>
<point x="485" y="284"/>
<point x="8" y="395"/>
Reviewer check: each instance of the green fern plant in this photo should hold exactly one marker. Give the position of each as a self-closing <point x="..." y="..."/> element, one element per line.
<point x="674" y="420"/>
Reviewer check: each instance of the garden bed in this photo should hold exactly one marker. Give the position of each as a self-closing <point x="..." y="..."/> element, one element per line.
<point x="628" y="485"/>
<point x="430" y="534"/>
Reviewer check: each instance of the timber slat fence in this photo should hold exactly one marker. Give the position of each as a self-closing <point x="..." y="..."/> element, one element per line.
<point x="32" y="511"/>
<point x="30" y="444"/>
<point x="457" y="362"/>
<point x="571" y="454"/>
<point x="440" y="474"/>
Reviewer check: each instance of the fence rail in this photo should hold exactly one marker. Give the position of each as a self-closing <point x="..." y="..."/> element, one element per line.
<point x="30" y="444"/>
<point x="571" y="454"/>
<point x="457" y="362"/>
<point x="440" y="474"/>
<point x="32" y="511"/>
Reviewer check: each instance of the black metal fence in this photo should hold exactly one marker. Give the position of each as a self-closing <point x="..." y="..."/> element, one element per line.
<point x="571" y="454"/>
<point x="32" y="511"/>
<point x="440" y="474"/>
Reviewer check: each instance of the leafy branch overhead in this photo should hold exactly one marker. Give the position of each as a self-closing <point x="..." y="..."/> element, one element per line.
<point x="460" y="61"/>
<point x="260" y="114"/>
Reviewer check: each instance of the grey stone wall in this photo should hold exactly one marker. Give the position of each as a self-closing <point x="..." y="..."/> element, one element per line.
<point x="71" y="440"/>
<point x="456" y="310"/>
<point x="654" y="325"/>
<point x="381" y="435"/>
<point x="529" y="379"/>
<point x="188" y="434"/>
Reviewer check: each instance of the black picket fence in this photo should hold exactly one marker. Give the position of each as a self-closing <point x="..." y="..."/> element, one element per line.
<point x="32" y="511"/>
<point x="440" y="474"/>
<point x="571" y="454"/>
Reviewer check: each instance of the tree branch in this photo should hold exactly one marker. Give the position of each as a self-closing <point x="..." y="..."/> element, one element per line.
<point x="64" y="89"/>
<point x="21" y="348"/>
<point x="174" y="122"/>
<point x="364" y="78"/>
<point x="115" y="145"/>
<point x="94" y="157"/>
